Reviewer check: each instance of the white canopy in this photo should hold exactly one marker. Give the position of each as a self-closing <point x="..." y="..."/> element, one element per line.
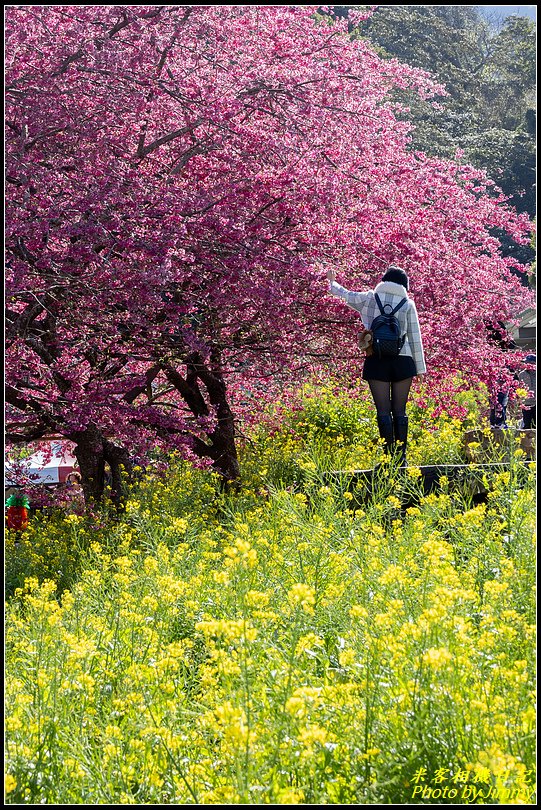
<point x="47" y="466"/>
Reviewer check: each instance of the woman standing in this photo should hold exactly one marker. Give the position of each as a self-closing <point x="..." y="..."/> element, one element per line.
<point x="389" y="378"/>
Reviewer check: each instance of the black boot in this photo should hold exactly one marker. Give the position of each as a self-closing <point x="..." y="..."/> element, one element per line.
<point x="385" y="427"/>
<point x="400" y="421"/>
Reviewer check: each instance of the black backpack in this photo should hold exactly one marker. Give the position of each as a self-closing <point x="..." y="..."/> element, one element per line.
<point x="386" y="338"/>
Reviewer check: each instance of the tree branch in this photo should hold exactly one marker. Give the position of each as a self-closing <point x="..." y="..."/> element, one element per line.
<point x="143" y="151"/>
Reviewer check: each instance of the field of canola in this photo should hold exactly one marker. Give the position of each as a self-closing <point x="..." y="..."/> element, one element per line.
<point x="295" y="642"/>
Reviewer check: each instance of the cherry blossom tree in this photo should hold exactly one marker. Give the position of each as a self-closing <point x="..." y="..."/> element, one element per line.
<point x="179" y="179"/>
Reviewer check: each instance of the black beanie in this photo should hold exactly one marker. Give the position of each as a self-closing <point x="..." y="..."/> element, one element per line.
<point x="397" y="275"/>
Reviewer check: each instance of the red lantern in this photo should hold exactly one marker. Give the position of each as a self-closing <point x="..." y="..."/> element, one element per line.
<point x="17" y="512"/>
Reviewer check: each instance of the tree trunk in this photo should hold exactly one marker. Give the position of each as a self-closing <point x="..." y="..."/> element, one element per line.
<point x="222" y="448"/>
<point x="89" y="452"/>
<point x="121" y="469"/>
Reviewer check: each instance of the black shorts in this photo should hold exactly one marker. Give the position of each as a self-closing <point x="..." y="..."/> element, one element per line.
<point x="389" y="369"/>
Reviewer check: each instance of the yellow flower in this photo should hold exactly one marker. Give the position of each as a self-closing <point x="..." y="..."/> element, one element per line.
<point x="394" y="573"/>
<point x="113" y="732"/>
<point x="233" y="722"/>
<point x="74" y="768"/>
<point x="289" y="796"/>
<point x="73" y="519"/>
<point x="311" y="737"/>
<point x="437" y="658"/>
<point x="314" y="734"/>
<point x="10" y="783"/>
<point x="295" y="706"/>
<point x="494" y="588"/>
<point x="220" y="795"/>
<point x="177" y="526"/>
<point x="303" y="595"/>
<point x="257" y="599"/>
<point x="13" y="723"/>
<point x="241" y="553"/>
<point x="230" y="630"/>
<point x="346" y="658"/>
<point x="150" y="565"/>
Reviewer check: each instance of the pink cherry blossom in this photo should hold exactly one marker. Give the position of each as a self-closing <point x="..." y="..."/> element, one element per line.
<point x="179" y="179"/>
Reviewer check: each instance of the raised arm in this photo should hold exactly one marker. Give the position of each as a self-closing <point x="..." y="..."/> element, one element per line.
<point x="352" y="299"/>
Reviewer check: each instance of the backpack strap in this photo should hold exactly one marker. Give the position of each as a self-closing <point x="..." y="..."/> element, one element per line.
<point x="397" y="307"/>
<point x="382" y="307"/>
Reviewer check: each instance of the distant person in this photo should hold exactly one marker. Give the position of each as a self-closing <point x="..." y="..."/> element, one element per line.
<point x="74" y="482"/>
<point x="389" y="378"/>
<point x="527" y="379"/>
<point x="74" y="487"/>
<point x="498" y="406"/>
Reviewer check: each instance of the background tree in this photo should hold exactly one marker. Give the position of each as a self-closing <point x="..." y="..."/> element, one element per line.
<point x="490" y="76"/>
<point x="506" y="113"/>
<point x="179" y="179"/>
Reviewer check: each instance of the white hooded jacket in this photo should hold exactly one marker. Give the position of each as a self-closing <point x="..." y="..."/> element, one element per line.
<point x="390" y="293"/>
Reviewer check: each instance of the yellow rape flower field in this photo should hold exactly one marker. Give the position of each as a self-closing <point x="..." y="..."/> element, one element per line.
<point x="296" y="642"/>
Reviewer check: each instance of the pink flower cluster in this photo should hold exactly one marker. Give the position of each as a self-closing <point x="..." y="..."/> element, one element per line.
<point x="179" y="178"/>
